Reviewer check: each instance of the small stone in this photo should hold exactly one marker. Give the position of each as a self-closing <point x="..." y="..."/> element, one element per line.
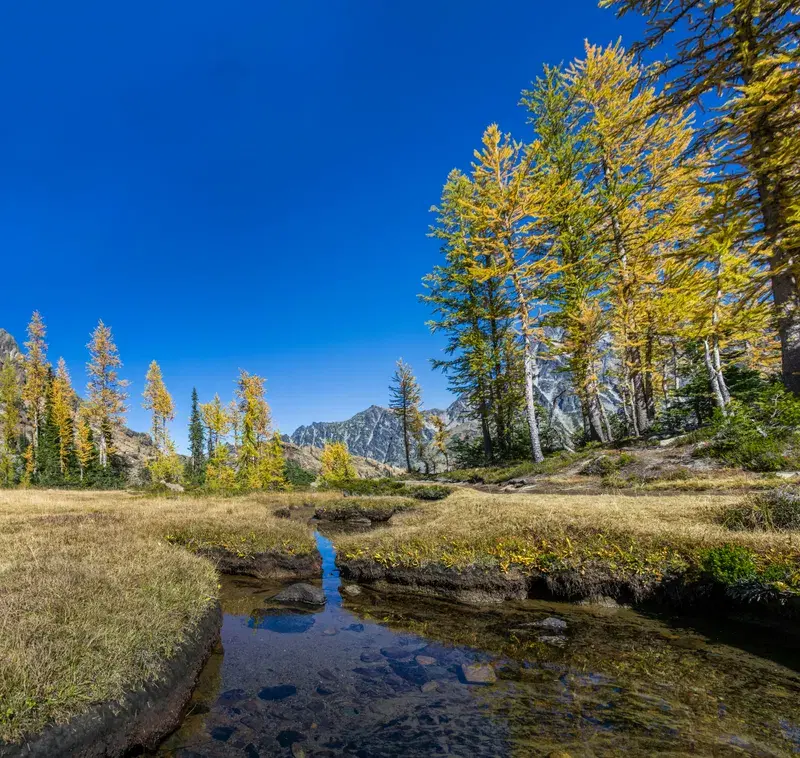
<point x="600" y="601"/>
<point x="222" y="733"/>
<point x="301" y="593"/>
<point x="351" y="589"/>
<point x="289" y="737"/>
<point x="425" y="660"/>
<point x="297" y="750"/>
<point x="173" y="487"/>
<point x="369" y="656"/>
<point x="551" y="623"/>
<point x="330" y="631"/>
<point x="478" y="673"/>
<point x="279" y="692"/>
<point x="354" y="628"/>
<point x="556" y="640"/>
<point x="430" y="686"/>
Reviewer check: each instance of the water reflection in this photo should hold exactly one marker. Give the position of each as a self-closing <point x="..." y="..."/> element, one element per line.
<point x="377" y="675"/>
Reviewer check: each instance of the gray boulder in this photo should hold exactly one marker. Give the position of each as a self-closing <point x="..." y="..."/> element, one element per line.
<point x="301" y="592"/>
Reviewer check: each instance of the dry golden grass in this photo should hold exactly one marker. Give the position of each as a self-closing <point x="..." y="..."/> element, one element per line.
<point x="94" y="599"/>
<point x="476" y="528"/>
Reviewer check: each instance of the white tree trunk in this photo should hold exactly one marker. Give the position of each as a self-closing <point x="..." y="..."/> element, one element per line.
<point x="530" y="404"/>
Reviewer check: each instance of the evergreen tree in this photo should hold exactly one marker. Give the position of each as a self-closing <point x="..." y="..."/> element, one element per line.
<point x="105" y="391"/>
<point x="260" y="460"/>
<point x="85" y="450"/>
<point x="217" y="424"/>
<point x="48" y="450"/>
<point x="197" y="459"/>
<point x="441" y="436"/>
<point x="404" y="400"/>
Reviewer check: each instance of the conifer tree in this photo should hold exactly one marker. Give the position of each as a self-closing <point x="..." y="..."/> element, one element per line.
<point x="337" y="464"/>
<point x="197" y="458"/>
<point x="64" y="403"/>
<point x="166" y="466"/>
<point x="483" y="364"/>
<point x="441" y="435"/>
<point x="105" y="391"/>
<point x="48" y="459"/>
<point x="85" y="450"/>
<point x="741" y="58"/>
<point x="507" y="246"/>
<point x="34" y="389"/>
<point x="404" y="400"/>
<point x="10" y="401"/>
<point x="217" y="423"/>
<point x="273" y="464"/>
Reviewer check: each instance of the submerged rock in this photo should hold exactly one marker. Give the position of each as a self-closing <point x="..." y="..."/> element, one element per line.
<point x="425" y="660"/>
<point x="551" y="623"/>
<point x="351" y="589"/>
<point x="301" y="593"/>
<point x="556" y="640"/>
<point x="478" y="673"/>
<point x="278" y="692"/>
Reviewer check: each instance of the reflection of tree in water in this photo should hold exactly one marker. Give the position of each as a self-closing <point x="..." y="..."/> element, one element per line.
<point x="621" y="683"/>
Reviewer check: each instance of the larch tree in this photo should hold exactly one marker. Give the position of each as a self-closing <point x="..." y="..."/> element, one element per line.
<point x="260" y="460"/>
<point x="34" y="389"/>
<point x="404" y="400"/>
<point x="506" y="246"/>
<point x="105" y="390"/>
<point x="648" y="199"/>
<point x="10" y="419"/>
<point x="217" y="423"/>
<point x="337" y="464"/>
<point x="64" y="403"/>
<point x="166" y="466"/>
<point x="85" y="450"/>
<point x="568" y="221"/>
<point x="483" y="363"/>
<point x="741" y="59"/>
<point x="441" y="437"/>
<point x="197" y="459"/>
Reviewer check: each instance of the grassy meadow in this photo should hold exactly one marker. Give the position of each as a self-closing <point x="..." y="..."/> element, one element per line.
<point x="98" y="589"/>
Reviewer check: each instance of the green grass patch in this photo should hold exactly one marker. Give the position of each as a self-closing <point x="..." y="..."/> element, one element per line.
<point x="372" y="508"/>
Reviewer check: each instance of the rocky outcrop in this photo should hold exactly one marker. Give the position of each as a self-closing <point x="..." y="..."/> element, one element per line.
<point x="377" y="433"/>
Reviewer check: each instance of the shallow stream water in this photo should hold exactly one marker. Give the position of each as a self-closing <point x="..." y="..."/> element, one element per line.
<point x="378" y="675"/>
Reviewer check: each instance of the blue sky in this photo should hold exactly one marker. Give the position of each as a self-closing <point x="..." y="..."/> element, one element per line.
<point x="247" y="184"/>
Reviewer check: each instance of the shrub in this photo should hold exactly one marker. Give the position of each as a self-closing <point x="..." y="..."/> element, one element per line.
<point x="758" y="435"/>
<point x="297" y="476"/>
<point x="773" y="510"/>
<point x="729" y="564"/>
<point x="607" y="464"/>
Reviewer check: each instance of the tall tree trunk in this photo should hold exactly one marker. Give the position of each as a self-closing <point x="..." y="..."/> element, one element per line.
<point x="713" y="378"/>
<point x="530" y="404"/>
<point x="774" y="200"/>
<point x="406" y="442"/>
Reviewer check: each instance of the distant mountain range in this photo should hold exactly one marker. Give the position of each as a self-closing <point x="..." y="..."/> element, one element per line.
<point x="377" y="433"/>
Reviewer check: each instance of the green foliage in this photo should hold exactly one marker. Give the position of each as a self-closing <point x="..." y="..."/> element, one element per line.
<point x="605" y="465"/>
<point x="372" y="508"/>
<point x="773" y="510"/>
<point x="297" y="476"/>
<point x="426" y="491"/>
<point x="758" y="435"/>
<point x="729" y="564"/>
<point x="196" y="465"/>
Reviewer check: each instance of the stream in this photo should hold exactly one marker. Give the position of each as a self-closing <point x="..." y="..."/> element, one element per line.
<point x="391" y="675"/>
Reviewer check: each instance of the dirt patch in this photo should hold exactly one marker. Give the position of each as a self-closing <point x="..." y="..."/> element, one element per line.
<point x="268" y="565"/>
<point x="142" y="719"/>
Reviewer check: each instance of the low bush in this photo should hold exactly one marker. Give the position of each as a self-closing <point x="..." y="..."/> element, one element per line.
<point x="426" y="491"/>
<point x="771" y="511"/>
<point x="729" y="564"/>
<point x="761" y="435"/>
<point x="607" y="464"/>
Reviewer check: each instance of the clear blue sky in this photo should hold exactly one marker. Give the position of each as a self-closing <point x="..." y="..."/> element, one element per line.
<point x="247" y="184"/>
